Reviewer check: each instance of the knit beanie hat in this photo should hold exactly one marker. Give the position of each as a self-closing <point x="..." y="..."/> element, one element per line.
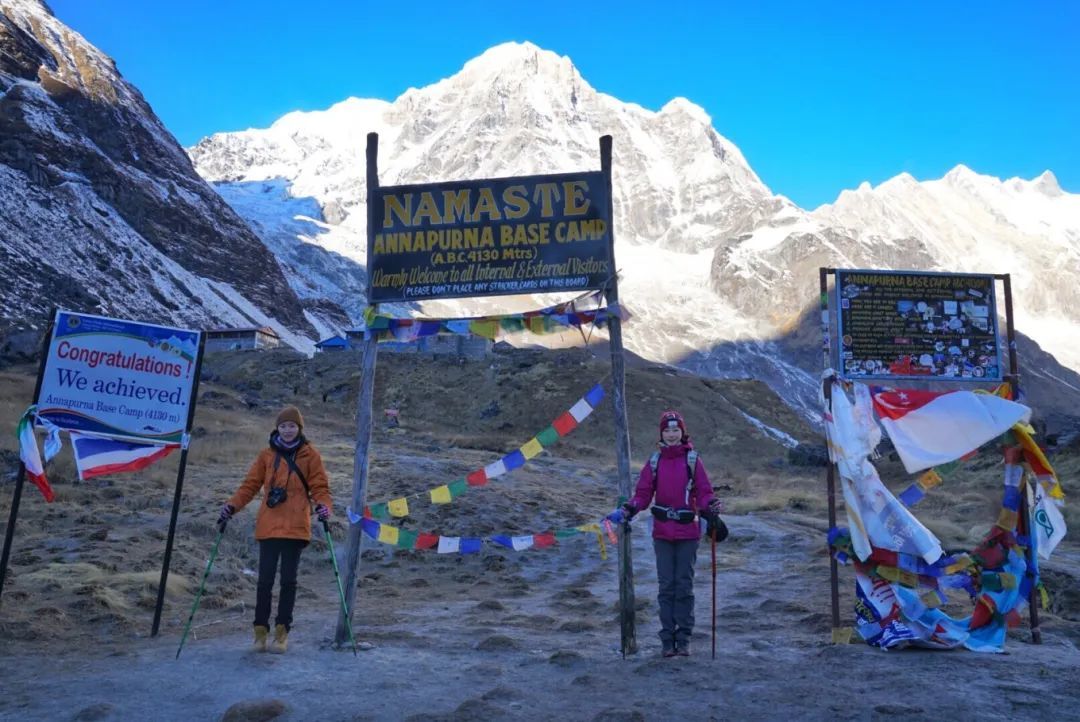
<point x="672" y="418"/>
<point x="290" y="413"/>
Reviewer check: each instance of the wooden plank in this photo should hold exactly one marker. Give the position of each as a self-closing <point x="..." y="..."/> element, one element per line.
<point x="622" y="428"/>
<point x="363" y="425"/>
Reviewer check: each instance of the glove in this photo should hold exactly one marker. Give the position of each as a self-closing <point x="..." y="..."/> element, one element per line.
<point x="715" y="528"/>
<point x="322" y="511"/>
<point x="618" y="516"/>
<point x="715" y="505"/>
<point x="227" y="511"/>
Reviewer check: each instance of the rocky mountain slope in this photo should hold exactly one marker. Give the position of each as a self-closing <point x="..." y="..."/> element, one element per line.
<point x="100" y="207"/>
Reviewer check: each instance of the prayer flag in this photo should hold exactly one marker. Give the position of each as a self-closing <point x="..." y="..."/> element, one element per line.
<point x="580" y="410"/>
<point x="494" y="469"/>
<point x="1048" y="524"/>
<point x="514" y="460"/>
<point x="565" y="424"/>
<point x="531" y="448"/>
<point x="30" y="456"/>
<point x="595" y="396"/>
<point x="548" y="436"/>
<point x="388" y="534"/>
<point x="398" y="507"/>
<point x="406" y="539"/>
<point x="441" y="495"/>
<point x="540" y="541"/>
<point x="449" y="544"/>
<point x="426" y="541"/>
<point x="521" y="542"/>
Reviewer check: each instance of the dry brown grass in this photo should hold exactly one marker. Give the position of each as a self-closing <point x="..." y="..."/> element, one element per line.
<point x="114" y="590"/>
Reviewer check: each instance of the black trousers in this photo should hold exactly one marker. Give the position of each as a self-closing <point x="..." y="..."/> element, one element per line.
<point x="675" y="573"/>
<point x="270" y="551"/>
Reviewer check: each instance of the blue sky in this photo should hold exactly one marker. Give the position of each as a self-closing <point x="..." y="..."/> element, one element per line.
<point x="818" y="96"/>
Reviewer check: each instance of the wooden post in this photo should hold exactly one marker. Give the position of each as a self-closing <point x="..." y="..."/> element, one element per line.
<point x="16" y="497"/>
<point x="830" y="476"/>
<point x="622" y="428"/>
<point x="363" y="420"/>
<point x="179" y="490"/>
<point x="1023" y="527"/>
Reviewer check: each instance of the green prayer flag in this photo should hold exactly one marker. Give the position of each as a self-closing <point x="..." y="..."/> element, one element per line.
<point x="406" y="539"/>
<point x="548" y="436"/>
<point x="458" y="487"/>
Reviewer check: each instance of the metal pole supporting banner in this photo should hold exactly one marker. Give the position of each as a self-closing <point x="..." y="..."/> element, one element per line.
<point x="622" y="428"/>
<point x="838" y="634"/>
<point x="160" y="603"/>
<point x="364" y="399"/>
<point x="1022" y="526"/>
<point x="16" y="497"/>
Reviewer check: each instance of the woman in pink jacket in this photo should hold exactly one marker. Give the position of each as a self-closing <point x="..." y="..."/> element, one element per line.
<point x="675" y="482"/>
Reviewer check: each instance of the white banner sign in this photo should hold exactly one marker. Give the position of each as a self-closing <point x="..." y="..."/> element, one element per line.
<point x="120" y="378"/>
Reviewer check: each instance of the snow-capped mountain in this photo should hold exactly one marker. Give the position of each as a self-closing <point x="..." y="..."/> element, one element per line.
<point x="720" y="272"/>
<point x="100" y="207"/>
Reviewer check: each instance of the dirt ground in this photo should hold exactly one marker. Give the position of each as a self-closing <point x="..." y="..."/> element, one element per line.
<point x="498" y="634"/>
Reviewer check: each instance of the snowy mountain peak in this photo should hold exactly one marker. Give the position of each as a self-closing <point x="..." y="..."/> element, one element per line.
<point x="512" y="58"/>
<point x="691" y="110"/>
<point x="1047" y="184"/>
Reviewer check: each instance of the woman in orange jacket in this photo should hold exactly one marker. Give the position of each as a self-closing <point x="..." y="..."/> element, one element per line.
<point x="290" y="473"/>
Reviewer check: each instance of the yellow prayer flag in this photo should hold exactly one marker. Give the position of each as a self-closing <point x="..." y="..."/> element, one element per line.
<point x="841" y="635"/>
<point x="1007" y="519"/>
<point x="928" y="480"/>
<point x="531" y="448"/>
<point x="398" y="507"/>
<point x="487" y="329"/>
<point x="891" y="574"/>
<point x="441" y="495"/>
<point x="388" y="534"/>
<point x="909" y="579"/>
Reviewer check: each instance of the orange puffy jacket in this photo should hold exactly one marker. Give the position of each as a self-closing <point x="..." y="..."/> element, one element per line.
<point x="290" y="519"/>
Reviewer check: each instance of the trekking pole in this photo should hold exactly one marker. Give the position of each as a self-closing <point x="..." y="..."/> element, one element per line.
<point x="202" y="585"/>
<point x="341" y="590"/>
<point x="713" y="537"/>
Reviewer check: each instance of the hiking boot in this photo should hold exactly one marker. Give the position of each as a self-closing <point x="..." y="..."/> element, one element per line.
<point x="683" y="648"/>
<point x="260" y="638"/>
<point x="667" y="649"/>
<point x="281" y="639"/>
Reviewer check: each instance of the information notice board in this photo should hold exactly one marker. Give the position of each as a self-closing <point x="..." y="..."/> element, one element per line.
<point x="906" y="324"/>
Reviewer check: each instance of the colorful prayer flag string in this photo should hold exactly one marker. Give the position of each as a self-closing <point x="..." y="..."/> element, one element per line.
<point x="552" y="319"/>
<point x="444" y="494"/>
<point x="406" y="539"/>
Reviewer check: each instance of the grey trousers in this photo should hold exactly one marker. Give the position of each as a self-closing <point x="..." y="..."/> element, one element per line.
<point x="675" y="573"/>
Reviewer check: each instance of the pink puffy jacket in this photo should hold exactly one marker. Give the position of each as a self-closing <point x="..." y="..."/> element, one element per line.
<point x="670" y="489"/>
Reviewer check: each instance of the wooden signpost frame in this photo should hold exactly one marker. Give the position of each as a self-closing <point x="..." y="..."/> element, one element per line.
<point x="364" y="422"/>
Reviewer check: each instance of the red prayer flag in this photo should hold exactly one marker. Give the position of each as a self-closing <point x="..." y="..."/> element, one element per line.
<point x="426" y="541"/>
<point x="565" y="424"/>
<point x="543" y="540"/>
<point x="477" y="478"/>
